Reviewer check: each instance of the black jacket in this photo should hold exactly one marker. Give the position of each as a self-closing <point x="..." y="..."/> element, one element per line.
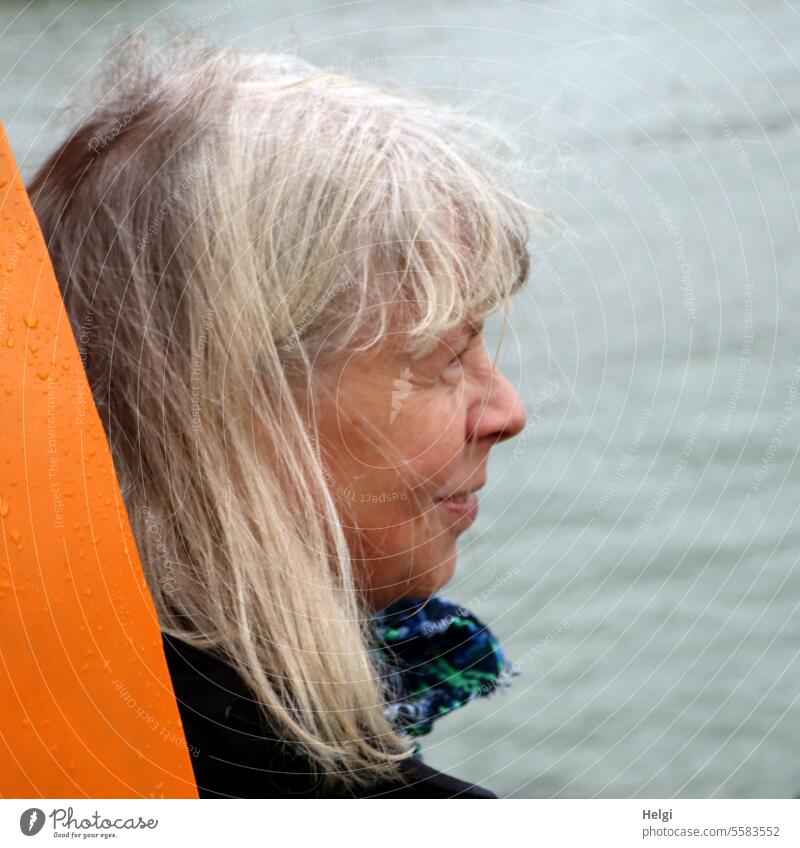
<point x="232" y="757"/>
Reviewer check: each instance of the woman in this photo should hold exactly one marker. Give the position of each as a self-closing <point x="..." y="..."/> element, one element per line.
<point x="279" y="277"/>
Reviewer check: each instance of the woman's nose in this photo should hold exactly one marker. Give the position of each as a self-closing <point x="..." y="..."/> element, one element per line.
<point x="501" y="414"/>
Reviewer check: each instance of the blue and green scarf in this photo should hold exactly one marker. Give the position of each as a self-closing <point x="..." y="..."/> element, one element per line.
<point x="435" y="657"/>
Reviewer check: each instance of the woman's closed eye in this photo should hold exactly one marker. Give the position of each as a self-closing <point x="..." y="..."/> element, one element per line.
<point x="454" y="367"/>
<point x="457" y="359"/>
<point x="473" y="340"/>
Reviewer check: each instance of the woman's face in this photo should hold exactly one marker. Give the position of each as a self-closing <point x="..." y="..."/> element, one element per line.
<point x="399" y="437"/>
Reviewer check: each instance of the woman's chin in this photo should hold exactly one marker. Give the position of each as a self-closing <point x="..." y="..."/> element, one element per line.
<point x="430" y="582"/>
<point x="439" y="576"/>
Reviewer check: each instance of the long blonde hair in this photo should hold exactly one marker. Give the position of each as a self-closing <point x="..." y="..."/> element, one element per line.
<point x="222" y="225"/>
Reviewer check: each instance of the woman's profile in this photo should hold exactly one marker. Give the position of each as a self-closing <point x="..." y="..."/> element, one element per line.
<point x="286" y="273"/>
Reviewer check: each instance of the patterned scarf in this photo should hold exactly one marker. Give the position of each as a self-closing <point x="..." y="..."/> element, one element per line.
<point x="436" y="656"/>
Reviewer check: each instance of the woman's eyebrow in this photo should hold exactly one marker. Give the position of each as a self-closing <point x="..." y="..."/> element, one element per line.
<point x="466" y="326"/>
<point x="474" y="328"/>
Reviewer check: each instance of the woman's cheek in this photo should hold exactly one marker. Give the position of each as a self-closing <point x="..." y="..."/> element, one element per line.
<point x="437" y="416"/>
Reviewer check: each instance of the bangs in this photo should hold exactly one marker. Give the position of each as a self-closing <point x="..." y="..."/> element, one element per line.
<point x="453" y="244"/>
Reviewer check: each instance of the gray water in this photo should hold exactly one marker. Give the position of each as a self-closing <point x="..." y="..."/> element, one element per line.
<point x="637" y="549"/>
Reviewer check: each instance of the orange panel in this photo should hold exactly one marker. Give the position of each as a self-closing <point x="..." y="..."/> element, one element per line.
<point x="86" y="703"/>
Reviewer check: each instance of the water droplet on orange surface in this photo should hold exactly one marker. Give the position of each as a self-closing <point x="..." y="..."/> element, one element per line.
<point x="30" y="321"/>
<point x="34" y="348"/>
<point x="10" y="342"/>
<point x="3" y="508"/>
<point x="14" y="536"/>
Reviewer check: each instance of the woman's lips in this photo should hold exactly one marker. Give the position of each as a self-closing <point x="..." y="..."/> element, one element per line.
<point x="465" y="506"/>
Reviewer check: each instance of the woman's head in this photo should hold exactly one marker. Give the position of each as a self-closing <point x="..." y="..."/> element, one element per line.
<point x="271" y="271"/>
<point x="406" y="443"/>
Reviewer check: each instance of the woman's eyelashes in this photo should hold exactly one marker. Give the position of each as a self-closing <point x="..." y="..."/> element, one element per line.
<point x="457" y="361"/>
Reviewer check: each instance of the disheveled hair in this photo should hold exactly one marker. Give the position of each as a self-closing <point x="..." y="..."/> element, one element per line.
<point x="223" y="225"/>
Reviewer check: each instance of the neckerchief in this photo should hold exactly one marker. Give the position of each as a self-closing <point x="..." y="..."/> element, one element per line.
<point x="435" y="657"/>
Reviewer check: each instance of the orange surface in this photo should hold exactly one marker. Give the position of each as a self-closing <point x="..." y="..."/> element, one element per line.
<point x="86" y="703"/>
